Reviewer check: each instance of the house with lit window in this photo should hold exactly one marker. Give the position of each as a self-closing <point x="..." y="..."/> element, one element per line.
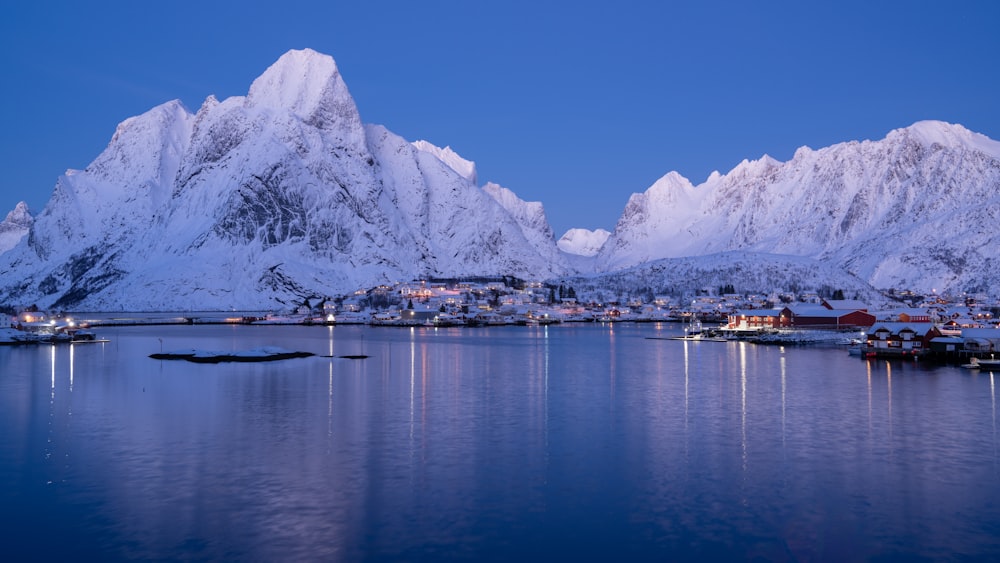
<point x="755" y="319"/>
<point x="914" y="315"/>
<point x="900" y="339"/>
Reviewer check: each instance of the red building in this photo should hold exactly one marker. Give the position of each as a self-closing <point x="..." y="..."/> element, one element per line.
<point x="832" y="319"/>
<point x="806" y="316"/>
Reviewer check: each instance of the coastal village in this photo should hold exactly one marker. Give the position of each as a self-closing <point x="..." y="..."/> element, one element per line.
<point x="910" y="326"/>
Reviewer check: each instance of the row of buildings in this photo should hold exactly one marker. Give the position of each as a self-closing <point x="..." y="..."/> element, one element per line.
<point x="847" y="314"/>
<point x="940" y="329"/>
<point x="497" y="302"/>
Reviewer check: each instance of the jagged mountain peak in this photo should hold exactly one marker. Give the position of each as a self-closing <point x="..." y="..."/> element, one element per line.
<point x="20" y="215"/>
<point x="307" y="84"/>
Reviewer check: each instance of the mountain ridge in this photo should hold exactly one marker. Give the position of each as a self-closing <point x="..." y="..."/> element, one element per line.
<point x="912" y="203"/>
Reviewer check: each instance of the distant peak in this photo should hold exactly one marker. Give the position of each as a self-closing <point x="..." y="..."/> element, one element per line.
<point x="583" y="242"/>
<point x="577" y="232"/>
<point x="19" y="216"/>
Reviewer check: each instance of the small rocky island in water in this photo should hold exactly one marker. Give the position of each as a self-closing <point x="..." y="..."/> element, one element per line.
<point x="265" y="354"/>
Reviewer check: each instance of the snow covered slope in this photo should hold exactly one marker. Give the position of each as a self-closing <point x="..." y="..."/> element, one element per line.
<point x="915" y="210"/>
<point x="14" y="227"/>
<point x="258" y="202"/>
<point x="748" y="272"/>
<point x="529" y="215"/>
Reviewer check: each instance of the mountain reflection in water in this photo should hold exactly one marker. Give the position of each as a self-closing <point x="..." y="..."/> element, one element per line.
<point x="570" y="442"/>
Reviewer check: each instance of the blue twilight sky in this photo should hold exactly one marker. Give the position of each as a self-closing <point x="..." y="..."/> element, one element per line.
<point x="574" y="104"/>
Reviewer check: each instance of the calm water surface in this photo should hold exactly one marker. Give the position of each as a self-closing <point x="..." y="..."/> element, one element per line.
<point x="572" y="442"/>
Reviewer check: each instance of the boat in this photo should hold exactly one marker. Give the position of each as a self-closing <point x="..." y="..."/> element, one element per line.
<point x="700" y="337"/>
<point x="982" y="363"/>
<point x="82" y="335"/>
<point x="694" y="331"/>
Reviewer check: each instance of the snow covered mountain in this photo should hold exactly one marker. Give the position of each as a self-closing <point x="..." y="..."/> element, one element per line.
<point x="262" y="201"/>
<point x="583" y="242"/>
<point x="15" y="227"/>
<point x="915" y="210"/>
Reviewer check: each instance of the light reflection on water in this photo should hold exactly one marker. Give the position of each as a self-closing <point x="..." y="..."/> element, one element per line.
<point x="993" y="408"/>
<point x="571" y="442"/>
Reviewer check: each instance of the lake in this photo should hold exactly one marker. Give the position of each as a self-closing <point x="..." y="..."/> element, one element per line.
<point x="567" y="442"/>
